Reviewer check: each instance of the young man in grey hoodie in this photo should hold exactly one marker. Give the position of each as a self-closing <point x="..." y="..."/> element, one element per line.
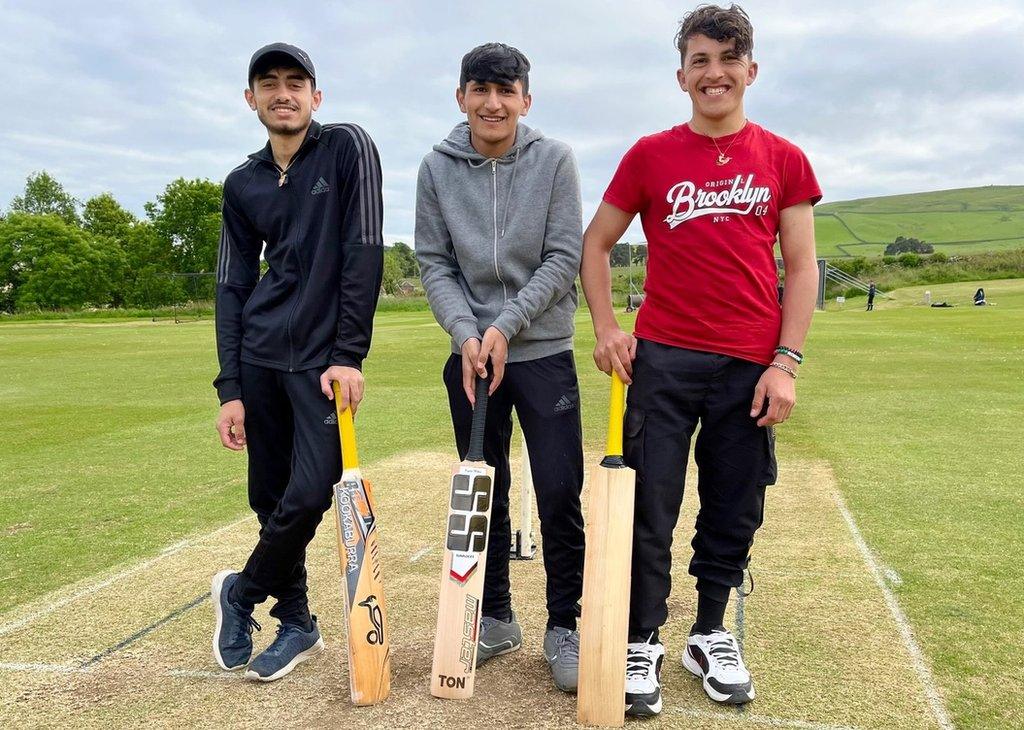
<point x="499" y="240"/>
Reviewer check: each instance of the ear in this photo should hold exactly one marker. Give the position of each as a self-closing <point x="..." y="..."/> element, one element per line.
<point x="527" y="101"/>
<point x="460" y="98"/>
<point x="681" y="78"/>
<point x="751" y="72"/>
<point x="317" y="98"/>
<point x="250" y="99"/>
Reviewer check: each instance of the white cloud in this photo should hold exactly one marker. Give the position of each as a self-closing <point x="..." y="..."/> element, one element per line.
<point x="883" y="97"/>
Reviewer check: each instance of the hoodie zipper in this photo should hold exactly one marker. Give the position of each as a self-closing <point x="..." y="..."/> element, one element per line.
<point x="494" y="185"/>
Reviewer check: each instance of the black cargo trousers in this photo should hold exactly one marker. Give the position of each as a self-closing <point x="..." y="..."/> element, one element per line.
<point x="673" y="390"/>
<point x="545" y="394"/>
<point x="294" y="460"/>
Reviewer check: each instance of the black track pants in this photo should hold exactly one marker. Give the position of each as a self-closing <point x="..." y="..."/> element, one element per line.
<point x="294" y="459"/>
<point x="545" y="395"/>
<point x="674" y="389"/>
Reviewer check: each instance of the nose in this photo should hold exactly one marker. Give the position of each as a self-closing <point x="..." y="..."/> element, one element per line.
<point x="493" y="100"/>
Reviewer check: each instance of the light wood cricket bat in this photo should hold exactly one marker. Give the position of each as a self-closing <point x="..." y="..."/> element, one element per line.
<point x="604" y="624"/>
<point x="465" y="558"/>
<point x="369" y="635"/>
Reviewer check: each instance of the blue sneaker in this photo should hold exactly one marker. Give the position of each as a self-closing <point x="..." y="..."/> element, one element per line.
<point x="292" y="646"/>
<point x="232" y="638"/>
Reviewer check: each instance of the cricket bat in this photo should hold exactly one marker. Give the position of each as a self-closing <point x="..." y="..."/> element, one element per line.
<point x="369" y="639"/>
<point x="604" y="624"/>
<point x="465" y="558"/>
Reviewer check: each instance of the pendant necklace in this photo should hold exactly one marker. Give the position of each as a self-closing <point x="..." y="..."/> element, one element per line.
<point x="722" y="158"/>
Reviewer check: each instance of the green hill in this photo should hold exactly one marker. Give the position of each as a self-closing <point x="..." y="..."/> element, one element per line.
<point x="967" y="220"/>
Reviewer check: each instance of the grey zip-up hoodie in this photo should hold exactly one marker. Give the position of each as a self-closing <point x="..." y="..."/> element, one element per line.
<point x="499" y="241"/>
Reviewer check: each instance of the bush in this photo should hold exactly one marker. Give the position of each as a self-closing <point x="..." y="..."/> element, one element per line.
<point x="909" y="260"/>
<point x="938" y="258"/>
<point x="888" y="260"/>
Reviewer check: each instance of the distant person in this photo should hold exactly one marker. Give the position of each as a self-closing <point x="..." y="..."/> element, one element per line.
<point x="713" y="195"/>
<point x="313" y="196"/>
<point x="979" y="297"/>
<point x="871" y="295"/>
<point x="499" y="237"/>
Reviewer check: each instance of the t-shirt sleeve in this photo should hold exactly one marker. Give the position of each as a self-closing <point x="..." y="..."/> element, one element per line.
<point x="625" y="191"/>
<point x="798" y="180"/>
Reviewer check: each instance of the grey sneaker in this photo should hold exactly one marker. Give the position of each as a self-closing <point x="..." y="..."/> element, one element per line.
<point x="498" y="637"/>
<point x="562" y="650"/>
<point x="292" y="646"/>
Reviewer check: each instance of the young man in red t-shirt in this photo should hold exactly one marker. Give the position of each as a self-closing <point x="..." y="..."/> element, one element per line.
<point x="711" y="344"/>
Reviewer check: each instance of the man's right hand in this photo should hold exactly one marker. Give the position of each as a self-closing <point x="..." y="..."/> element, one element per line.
<point x="615" y="350"/>
<point x="470" y="354"/>
<point x="231" y="425"/>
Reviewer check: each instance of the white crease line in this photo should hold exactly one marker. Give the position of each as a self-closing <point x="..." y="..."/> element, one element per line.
<point x="906" y="632"/>
<point x="419" y="554"/>
<point x="48" y="668"/>
<point x="737" y="719"/>
<point x="198" y="674"/>
<point x="165" y="553"/>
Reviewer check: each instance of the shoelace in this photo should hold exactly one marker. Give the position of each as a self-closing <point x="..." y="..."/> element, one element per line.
<point x="569" y="646"/>
<point x="251" y="623"/>
<point x="723" y="648"/>
<point x="638" y="664"/>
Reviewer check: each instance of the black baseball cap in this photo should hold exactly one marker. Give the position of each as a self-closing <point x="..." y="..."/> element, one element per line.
<point x="290" y="54"/>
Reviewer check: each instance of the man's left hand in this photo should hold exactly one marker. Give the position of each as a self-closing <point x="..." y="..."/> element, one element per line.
<point x="779" y="388"/>
<point x="495" y="347"/>
<point x="350" y="385"/>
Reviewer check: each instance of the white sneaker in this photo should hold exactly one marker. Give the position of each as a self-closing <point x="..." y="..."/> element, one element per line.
<point x="643" y="678"/>
<point x="716" y="659"/>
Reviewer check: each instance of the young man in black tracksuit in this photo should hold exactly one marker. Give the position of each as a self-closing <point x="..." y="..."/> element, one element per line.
<point x="498" y="238"/>
<point x="312" y="195"/>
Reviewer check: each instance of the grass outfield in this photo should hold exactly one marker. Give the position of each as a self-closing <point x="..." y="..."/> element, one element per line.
<point x="109" y="456"/>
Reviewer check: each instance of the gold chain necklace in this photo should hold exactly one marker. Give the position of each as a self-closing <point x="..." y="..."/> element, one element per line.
<point x="722" y="159"/>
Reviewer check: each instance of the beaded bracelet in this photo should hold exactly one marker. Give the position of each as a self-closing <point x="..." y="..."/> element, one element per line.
<point x="790" y="353"/>
<point x="784" y="368"/>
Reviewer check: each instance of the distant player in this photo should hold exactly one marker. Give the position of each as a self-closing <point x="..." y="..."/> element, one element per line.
<point x="872" y="290"/>
<point x="499" y="239"/>
<point x="312" y="195"/>
<point x="711" y="345"/>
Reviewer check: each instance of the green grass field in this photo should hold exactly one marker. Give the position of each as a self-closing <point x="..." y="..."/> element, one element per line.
<point x="971" y="220"/>
<point x="110" y="455"/>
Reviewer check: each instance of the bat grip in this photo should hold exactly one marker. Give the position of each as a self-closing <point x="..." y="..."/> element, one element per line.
<point x="476" y="434"/>
<point x="617" y="404"/>
<point x="346" y="431"/>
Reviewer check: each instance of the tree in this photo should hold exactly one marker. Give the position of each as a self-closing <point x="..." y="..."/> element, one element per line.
<point x="45" y="196"/>
<point x="50" y="264"/>
<point x="104" y="216"/>
<point x="392" y="271"/>
<point x="908" y="245"/>
<point x="406" y="260"/>
<point x="186" y="218"/>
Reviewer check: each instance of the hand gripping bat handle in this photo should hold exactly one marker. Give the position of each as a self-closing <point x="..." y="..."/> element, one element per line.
<point x="476" y="434"/>
<point x="617" y="403"/>
<point x="346" y="430"/>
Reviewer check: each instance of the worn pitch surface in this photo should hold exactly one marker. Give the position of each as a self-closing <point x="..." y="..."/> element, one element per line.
<point x="132" y="646"/>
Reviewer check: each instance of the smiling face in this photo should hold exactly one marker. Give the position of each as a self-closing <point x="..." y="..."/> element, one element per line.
<point x="284" y="100"/>
<point x="493" y="110"/>
<point x="715" y="76"/>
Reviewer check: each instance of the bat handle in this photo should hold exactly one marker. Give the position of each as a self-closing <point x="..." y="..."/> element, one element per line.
<point x="617" y="404"/>
<point x="346" y="431"/>
<point x="476" y="434"/>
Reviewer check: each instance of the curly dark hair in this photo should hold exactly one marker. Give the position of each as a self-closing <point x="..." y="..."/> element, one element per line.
<point x="496" y="63"/>
<point x="717" y="23"/>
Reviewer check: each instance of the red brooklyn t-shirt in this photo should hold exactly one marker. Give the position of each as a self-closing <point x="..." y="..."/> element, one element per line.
<point x="711" y="230"/>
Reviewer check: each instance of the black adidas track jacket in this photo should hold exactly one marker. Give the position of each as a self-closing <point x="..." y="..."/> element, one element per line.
<point x="324" y="250"/>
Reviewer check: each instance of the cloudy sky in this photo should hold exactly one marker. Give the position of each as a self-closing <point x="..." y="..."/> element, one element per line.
<point x="884" y="97"/>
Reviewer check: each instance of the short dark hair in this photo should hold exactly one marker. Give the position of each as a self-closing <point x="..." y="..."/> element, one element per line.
<point x="720" y="24"/>
<point x="495" y="63"/>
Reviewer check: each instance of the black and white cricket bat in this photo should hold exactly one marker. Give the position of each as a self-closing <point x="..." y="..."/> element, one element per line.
<point x="465" y="559"/>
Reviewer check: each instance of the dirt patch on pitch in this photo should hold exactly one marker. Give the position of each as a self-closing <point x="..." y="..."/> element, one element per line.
<point x="822" y="645"/>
